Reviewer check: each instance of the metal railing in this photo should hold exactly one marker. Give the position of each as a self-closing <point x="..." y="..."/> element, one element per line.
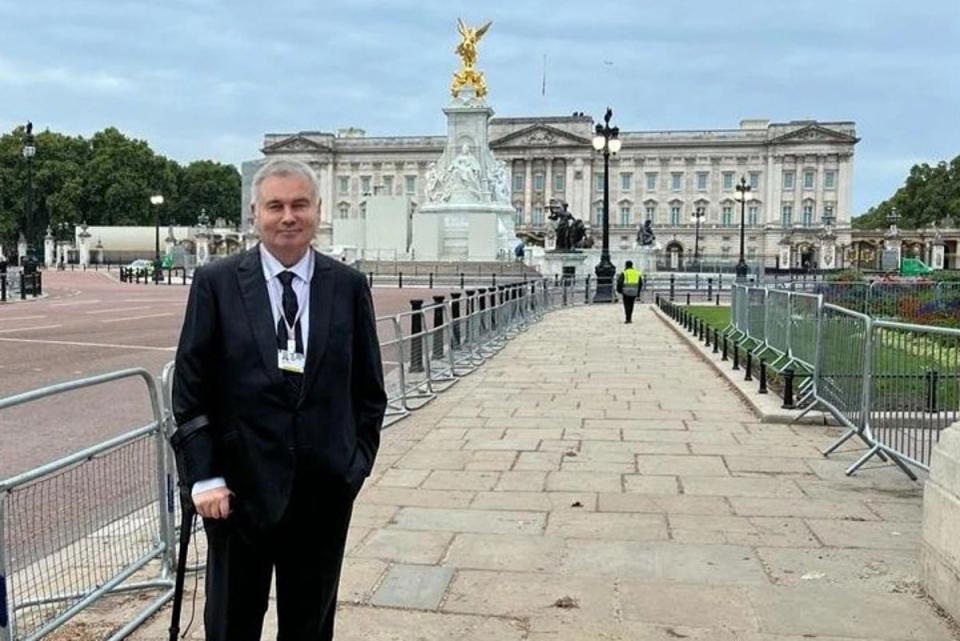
<point x="894" y="385"/>
<point x="81" y="527"/>
<point x="103" y="520"/>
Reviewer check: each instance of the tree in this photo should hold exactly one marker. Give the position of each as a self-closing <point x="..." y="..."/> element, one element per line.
<point x="929" y="194"/>
<point x="106" y="180"/>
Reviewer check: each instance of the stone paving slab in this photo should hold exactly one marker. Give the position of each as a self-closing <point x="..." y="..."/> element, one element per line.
<point x="619" y="489"/>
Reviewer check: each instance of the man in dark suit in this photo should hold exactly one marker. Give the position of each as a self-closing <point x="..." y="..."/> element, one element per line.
<point x="278" y="397"/>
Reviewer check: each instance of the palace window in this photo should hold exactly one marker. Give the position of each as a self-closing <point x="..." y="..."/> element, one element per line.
<point x="807" y="215"/>
<point x="598" y="215"/>
<point x="786" y="214"/>
<point x="625" y="216"/>
<point x="754" y="180"/>
<point x="518" y="182"/>
<point x="652" y="213"/>
<point x="808" y="177"/>
<point x="728" y="181"/>
<point x="539" y="180"/>
<point x="518" y="214"/>
<point x="676" y="181"/>
<point x="626" y="182"/>
<point x="701" y="181"/>
<point x="675" y="215"/>
<point x="365" y="185"/>
<point x="727" y="217"/>
<point x="344" y="184"/>
<point x="344" y="211"/>
<point x="410" y="184"/>
<point x="830" y="179"/>
<point x="537" y="215"/>
<point x="598" y="181"/>
<point x="753" y="213"/>
<point x="387" y="185"/>
<point x="788" y="177"/>
<point x="559" y="182"/>
<point x="652" y="181"/>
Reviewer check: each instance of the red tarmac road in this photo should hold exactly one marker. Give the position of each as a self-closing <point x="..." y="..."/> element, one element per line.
<point x="90" y="323"/>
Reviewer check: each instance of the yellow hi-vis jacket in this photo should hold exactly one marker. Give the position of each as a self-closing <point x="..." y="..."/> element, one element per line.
<point x="631" y="282"/>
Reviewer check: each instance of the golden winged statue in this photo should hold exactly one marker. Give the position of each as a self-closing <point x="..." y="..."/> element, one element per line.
<point x="467" y="49"/>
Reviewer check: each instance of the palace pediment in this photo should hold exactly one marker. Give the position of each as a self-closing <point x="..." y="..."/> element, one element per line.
<point x="538" y="136"/>
<point x="297" y="143"/>
<point x="815" y="133"/>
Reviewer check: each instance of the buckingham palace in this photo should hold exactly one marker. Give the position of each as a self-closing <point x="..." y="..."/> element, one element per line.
<point x="800" y="175"/>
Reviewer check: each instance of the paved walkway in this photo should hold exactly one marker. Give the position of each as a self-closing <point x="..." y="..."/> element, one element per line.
<point x="597" y="481"/>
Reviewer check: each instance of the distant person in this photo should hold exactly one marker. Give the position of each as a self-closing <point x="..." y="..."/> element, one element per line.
<point x="629" y="282"/>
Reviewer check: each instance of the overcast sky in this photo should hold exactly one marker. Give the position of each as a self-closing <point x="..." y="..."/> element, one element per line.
<point x="205" y="79"/>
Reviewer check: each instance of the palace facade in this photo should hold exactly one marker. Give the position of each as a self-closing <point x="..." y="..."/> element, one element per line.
<point x="800" y="175"/>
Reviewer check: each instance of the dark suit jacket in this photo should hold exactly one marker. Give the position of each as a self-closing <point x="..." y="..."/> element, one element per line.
<point x="237" y="416"/>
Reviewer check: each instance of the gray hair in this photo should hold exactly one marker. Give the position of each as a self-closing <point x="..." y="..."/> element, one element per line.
<point x="285" y="167"/>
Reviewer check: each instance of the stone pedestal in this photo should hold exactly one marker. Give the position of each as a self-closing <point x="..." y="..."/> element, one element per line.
<point x="785" y="256"/>
<point x="468" y="214"/>
<point x="83" y="244"/>
<point x="559" y="263"/>
<point x="890" y="260"/>
<point x="169" y="242"/>
<point x="49" y="249"/>
<point x="940" y="554"/>
<point x="203" y="247"/>
<point x="828" y="252"/>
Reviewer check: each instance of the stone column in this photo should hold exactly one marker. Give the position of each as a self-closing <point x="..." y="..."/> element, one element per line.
<point x="83" y="245"/>
<point x="48" y="249"/>
<point x="939" y="253"/>
<point x="21" y="248"/>
<point x="547" y="184"/>
<point x="528" y="190"/>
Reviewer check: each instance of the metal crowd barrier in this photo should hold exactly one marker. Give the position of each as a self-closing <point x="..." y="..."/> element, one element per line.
<point x="104" y="520"/>
<point x="81" y="527"/>
<point x="894" y="385"/>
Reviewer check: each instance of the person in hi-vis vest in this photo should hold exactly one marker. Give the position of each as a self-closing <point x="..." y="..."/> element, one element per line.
<point x="629" y="283"/>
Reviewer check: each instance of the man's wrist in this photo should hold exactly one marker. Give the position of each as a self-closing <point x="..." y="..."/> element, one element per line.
<point x="208" y="484"/>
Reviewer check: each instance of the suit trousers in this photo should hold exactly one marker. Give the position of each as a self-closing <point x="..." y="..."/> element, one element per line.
<point x="628" y="302"/>
<point x="305" y="549"/>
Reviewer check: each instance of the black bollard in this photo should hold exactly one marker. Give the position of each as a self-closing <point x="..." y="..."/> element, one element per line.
<point x="763" y="376"/>
<point x="400" y="280"/>
<point x="749" y="367"/>
<point x="710" y="288"/>
<point x="718" y="298"/>
<point x="438" y="327"/>
<point x="736" y="356"/>
<point x="716" y="340"/>
<point x="672" y="285"/>
<point x="431" y="281"/>
<point x="703" y="329"/>
<point x="471" y="323"/>
<point x="416" y="335"/>
<point x="455" y="317"/>
<point x="933" y="380"/>
<point x="493" y="306"/>
<point x="482" y="300"/>
<point x="23" y="286"/>
<point x="723" y="356"/>
<point x="706" y="341"/>
<point x="788" y="403"/>
<point x="688" y="298"/>
<point x="461" y="280"/>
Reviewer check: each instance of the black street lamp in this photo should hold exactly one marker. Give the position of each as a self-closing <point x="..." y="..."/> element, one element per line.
<point x="743" y="189"/>
<point x="698" y="215"/>
<point x="606" y="141"/>
<point x="29" y="150"/>
<point x="157" y="201"/>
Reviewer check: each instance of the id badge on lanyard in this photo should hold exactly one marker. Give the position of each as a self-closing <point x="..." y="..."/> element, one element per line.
<point x="288" y="360"/>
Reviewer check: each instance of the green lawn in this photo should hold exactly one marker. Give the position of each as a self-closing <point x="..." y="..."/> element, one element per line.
<point x="714" y="315"/>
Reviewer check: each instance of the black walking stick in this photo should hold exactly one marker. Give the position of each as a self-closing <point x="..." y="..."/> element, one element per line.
<point x="186" y="529"/>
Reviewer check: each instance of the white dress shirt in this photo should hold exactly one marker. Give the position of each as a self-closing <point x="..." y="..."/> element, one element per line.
<point x="303" y="272"/>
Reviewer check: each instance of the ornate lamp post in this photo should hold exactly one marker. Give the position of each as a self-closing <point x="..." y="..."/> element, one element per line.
<point x="698" y="215"/>
<point x="157" y="201"/>
<point x="606" y="141"/>
<point x="743" y="191"/>
<point x="29" y="150"/>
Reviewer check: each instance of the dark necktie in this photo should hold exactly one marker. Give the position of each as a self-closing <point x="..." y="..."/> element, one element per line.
<point x="290" y="307"/>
